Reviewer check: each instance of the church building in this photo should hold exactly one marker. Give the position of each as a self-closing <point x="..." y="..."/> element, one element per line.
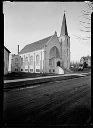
<point x="49" y="55"/>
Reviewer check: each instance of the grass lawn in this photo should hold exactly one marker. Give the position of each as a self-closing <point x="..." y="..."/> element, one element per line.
<point x="21" y="75"/>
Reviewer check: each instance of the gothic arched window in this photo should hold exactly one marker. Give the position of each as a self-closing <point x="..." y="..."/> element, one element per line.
<point x="37" y="60"/>
<point x="26" y="60"/>
<point x="21" y="60"/>
<point x="31" y="60"/>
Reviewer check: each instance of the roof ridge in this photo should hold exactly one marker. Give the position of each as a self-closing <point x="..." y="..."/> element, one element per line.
<point x="7" y="49"/>
<point x="39" y="40"/>
<point x="37" y="45"/>
<point x="51" y="38"/>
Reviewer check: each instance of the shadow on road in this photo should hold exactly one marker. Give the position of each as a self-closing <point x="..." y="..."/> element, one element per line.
<point x="77" y="116"/>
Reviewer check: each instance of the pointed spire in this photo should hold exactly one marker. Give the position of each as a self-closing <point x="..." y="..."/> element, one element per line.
<point x="64" y="27"/>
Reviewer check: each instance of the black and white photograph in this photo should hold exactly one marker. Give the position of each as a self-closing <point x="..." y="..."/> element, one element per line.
<point x="47" y="64"/>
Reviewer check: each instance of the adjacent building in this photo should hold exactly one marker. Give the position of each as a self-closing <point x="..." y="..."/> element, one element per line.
<point x="16" y="63"/>
<point x="6" y="60"/>
<point x="49" y="55"/>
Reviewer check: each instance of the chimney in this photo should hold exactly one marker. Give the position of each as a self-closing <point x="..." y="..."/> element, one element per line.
<point x="18" y="49"/>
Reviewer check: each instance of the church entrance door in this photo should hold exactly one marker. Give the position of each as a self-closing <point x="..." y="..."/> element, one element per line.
<point x="58" y="63"/>
<point x="54" y="57"/>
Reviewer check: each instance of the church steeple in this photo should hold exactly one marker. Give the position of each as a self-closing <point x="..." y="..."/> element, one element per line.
<point x="64" y="27"/>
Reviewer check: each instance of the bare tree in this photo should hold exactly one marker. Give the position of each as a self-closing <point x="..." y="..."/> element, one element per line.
<point x="86" y="22"/>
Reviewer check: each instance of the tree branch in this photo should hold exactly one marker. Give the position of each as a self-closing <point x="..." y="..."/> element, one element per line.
<point x="84" y="22"/>
<point x="85" y="12"/>
<point x="82" y="38"/>
<point x="88" y="18"/>
<point x="85" y="26"/>
<point x="84" y="30"/>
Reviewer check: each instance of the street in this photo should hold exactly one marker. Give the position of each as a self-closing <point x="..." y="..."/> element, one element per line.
<point x="63" y="102"/>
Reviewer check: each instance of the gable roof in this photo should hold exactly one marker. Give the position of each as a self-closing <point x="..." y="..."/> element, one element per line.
<point x="7" y="49"/>
<point x="35" y="46"/>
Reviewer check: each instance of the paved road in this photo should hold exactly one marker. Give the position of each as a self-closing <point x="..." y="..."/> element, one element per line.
<point x="55" y="103"/>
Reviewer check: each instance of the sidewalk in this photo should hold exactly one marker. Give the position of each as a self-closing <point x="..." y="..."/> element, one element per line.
<point x="26" y="79"/>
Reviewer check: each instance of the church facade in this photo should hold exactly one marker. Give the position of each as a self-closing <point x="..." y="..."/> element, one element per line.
<point x="49" y="54"/>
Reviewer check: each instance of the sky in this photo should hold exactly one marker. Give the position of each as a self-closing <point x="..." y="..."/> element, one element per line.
<point x="27" y="22"/>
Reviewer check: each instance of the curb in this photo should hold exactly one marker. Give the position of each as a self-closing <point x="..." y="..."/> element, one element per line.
<point x="27" y="83"/>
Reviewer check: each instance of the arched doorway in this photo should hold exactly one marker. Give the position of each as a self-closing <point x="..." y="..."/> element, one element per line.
<point x="58" y="63"/>
<point x="53" y="55"/>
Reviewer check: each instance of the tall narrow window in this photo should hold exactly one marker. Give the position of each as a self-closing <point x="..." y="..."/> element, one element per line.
<point x="31" y="60"/>
<point x="50" y="62"/>
<point x="37" y="60"/>
<point x="67" y="52"/>
<point x="21" y="60"/>
<point x="67" y="42"/>
<point x="26" y="60"/>
<point x="61" y="41"/>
